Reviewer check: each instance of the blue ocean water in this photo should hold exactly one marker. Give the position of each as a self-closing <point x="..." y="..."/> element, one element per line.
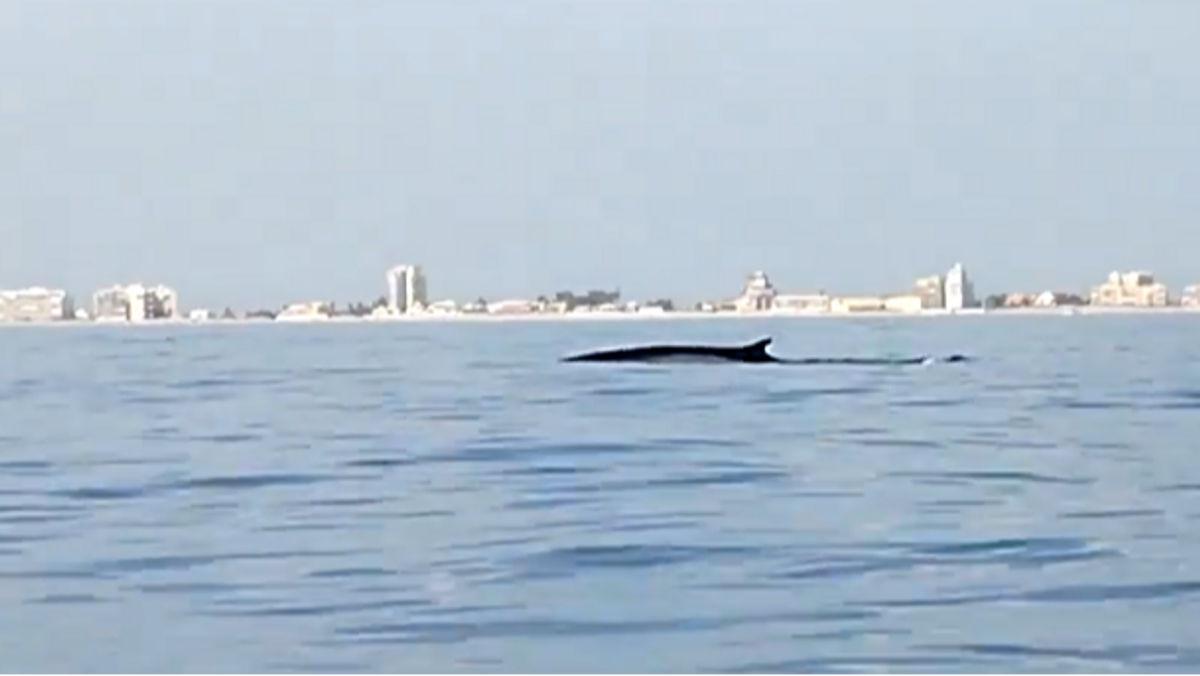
<point x="449" y="497"/>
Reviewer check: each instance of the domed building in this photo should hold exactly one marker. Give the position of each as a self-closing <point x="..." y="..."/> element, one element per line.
<point x="758" y="294"/>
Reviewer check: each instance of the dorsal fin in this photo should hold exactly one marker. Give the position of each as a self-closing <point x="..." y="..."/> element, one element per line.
<point x="758" y="346"/>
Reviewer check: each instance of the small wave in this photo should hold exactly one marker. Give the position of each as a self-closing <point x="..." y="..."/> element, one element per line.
<point x="425" y="632"/>
<point x="992" y="476"/>
<point x="251" y="481"/>
<point x="570" y="560"/>
<point x="1126" y="657"/>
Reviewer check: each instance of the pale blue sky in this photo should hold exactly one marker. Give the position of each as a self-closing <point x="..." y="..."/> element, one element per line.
<point x="263" y="151"/>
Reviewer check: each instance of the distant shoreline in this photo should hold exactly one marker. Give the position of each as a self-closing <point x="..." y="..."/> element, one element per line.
<point x="1062" y="312"/>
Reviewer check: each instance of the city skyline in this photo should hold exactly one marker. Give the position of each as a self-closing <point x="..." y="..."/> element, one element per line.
<point x="370" y="293"/>
<point x="578" y="144"/>
<point x="408" y="282"/>
<point x="405" y="293"/>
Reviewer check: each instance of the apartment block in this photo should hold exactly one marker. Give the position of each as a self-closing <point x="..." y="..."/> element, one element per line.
<point x="135" y="303"/>
<point x="1130" y="289"/>
<point x="931" y="290"/>
<point x="35" y="304"/>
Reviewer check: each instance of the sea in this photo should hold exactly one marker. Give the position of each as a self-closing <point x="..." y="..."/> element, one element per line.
<point x="449" y="497"/>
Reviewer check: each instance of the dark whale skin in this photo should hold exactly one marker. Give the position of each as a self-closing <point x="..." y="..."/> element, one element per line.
<point x="751" y="353"/>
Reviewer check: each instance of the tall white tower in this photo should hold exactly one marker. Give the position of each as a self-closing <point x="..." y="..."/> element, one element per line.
<point x="960" y="292"/>
<point x="406" y="288"/>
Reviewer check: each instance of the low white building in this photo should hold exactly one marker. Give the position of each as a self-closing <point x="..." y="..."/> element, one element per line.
<point x="304" y="312"/>
<point x="911" y="303"/>
<point x="802" y="302"/>
<point x="35" y="304"/>
<point x="442" y="307"/>
<point x="932" y="291"/>
<point x="859" y="304"/>
<point x="511" y="307"/>
<point x="1191" y="296"/>
<point x="1130" y="289"/>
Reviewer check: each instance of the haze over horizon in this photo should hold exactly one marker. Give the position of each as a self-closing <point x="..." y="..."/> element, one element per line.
<point x="267" y="152"/>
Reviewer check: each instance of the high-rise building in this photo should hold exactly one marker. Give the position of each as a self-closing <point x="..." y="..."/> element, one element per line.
<point x="135" y="303"/>
<point x="35" y="305"/>
<point x="959" y="290"/>
<point x="407" y="289"/>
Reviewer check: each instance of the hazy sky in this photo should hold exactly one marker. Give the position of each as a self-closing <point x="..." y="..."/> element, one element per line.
<point x="263" y="151"/>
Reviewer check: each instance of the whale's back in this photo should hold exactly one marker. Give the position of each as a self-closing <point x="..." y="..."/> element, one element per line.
<point x="752" y="353"/>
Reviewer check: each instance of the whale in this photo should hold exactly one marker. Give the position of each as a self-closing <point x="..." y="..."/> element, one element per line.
<point x="750" y="353"/>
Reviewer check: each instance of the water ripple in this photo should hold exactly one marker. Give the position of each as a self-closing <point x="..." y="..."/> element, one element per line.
<point x="1115" y="657"/>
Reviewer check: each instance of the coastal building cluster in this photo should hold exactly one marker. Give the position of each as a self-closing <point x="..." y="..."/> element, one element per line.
<point x="121" y="303"/>
<point x="406" y="294"/>
<point x="953" y="291"/>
